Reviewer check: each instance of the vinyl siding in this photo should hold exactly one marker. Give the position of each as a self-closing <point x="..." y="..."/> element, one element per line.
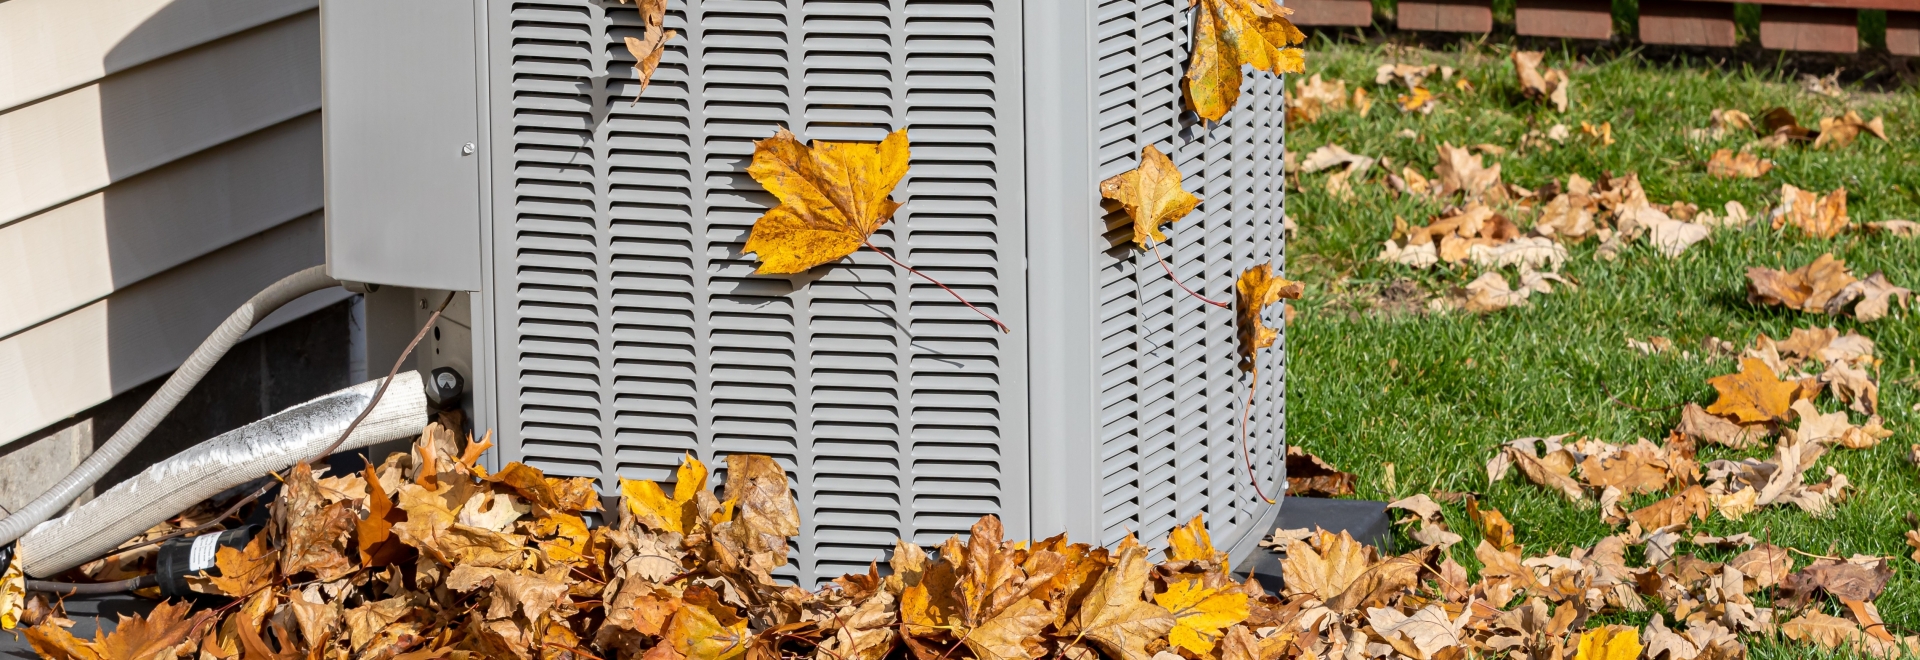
<point x="159" y="163"/>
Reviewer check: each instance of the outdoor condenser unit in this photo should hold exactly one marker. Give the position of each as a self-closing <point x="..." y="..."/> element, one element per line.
<point x="495" y="146"/>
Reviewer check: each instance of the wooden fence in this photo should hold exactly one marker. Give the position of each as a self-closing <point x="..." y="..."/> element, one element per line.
<point x="1828" y="26"/>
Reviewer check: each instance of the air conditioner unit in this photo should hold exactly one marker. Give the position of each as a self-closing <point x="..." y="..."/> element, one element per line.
<point x="496" y="147"/>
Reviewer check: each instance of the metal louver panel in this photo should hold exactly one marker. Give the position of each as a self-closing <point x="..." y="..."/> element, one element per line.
<point x="631" y="329"/>
<point x="1169" y="389"/>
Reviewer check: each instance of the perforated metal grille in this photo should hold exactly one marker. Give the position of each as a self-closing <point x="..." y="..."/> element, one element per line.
<point x="1171" y="391"/>
<point x="638" y="329"/>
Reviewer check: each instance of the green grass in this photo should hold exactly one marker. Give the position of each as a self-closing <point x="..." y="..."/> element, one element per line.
<point x="1434" y="395"/>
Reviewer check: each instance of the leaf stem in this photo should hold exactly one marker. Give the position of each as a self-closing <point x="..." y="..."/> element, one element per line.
<point x="956" y="296"/>
<point x="1182" y="285"/>
<point x="1244" y="452"/>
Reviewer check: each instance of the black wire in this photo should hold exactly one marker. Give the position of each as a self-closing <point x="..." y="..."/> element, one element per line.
<point x="73" y="588"/>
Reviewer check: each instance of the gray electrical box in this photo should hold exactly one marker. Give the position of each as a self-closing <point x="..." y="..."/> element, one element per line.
<point x="618" y="325"/>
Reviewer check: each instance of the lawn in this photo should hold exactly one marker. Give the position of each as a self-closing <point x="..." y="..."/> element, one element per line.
<point x="1431" y="396"/>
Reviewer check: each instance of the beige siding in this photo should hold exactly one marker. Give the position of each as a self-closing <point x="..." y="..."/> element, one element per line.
<point x="69" y="256"/>
<point x="50" y="46"/>
<point x="159" y="163"/>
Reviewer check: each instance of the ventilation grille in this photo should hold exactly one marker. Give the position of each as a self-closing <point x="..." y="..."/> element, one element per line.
<point x="638" y="331"/>
<point x="1171" y="390"/>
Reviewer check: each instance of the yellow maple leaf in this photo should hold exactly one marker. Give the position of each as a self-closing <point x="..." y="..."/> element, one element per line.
<point x="1114" y="616"/>
<point x="1230" y="33"/>
<point x="1151" y="194"/>
<point x="833" y="195"/>
<point x="1190" y="542"/>
<point x="1609" y="643"/>
<point x="1415" y="101"/>
<point x="1256" y="289"/>
<point x="1200" y="613"/>
<point x="652" y="507"/>
<point x="1753" y="395"/>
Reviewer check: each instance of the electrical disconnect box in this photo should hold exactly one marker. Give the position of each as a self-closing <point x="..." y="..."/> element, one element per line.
<point x="497" y="147"/>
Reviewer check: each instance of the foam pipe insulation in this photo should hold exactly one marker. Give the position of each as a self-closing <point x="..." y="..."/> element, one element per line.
<point x="94" y="529"/>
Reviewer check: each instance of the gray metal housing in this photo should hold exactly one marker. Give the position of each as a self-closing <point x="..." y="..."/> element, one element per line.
<point x="619" y="326"/>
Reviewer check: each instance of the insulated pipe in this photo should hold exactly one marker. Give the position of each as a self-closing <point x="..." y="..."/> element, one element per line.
<point x="94" y="529"/>
<point x="156" y="408"/>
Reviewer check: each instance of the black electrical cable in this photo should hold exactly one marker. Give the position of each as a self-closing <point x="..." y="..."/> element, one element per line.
<point x="75" y="588"/>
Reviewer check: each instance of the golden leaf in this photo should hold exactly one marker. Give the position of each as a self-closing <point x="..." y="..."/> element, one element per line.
<point x="1200" y="613"/>
<point x="833" y="195"/>
<point x="1115" y="616"/>
<point x="699" y="635"/>
<point x="678" y="514"/>
<point x="1609" y="643"/>
<point x="13" y="596"/>
<point x="1726" y="164"/>
<point x="1151" y="194"/>
<point x="245" y="571"/>
<point x="1418" y="100"/>
<point x="1190" y="542"/>
<point x="1257" y="288"/>
<point x="1493" y="525"/>
<point x="1753" y="395"/>
<point x="1230" y="33"/>
<point x="134" y="638"/>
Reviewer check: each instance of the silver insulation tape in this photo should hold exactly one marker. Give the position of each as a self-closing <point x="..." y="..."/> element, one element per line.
<point x="94" y="529"/>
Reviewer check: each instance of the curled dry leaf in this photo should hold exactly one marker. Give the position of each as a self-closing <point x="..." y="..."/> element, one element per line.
<point x="1727" y="164"/>
<point x="1460" y="170"/>
<point x="647" y="49"/>
<point x="1837" y="132"/>
<point x="1257" y="288"/>
<point x="1550" y="86"/>
<point x="833" y="195"/>
<point x="1819" y="216"/>
<point x="1230" y="33"/>
<point x="1152" y="195"/>
<point x="1308" y="476"/>
<point x="1899" y="228"/>
<point x="1313" y="97"/>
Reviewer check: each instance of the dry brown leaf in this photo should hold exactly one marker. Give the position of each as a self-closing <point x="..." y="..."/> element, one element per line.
<point x="1840" y="131"/>
<point x="1228" y="34"/>
<point x="1551" y="86"/>
<point x="1680" y="509"/>
<point x="247" y="570"/>
<point x="1151" y="194"/>
<point x="766" y="517"/>
<point x="134" y="638"/>
<point x="1313" y="97"/>
<point x="1325" y="565"/>
<point x="1899" y="228"/>
<point x="833" y="196"/>
<point x="1308" y="476"/>
<point x="1819" y="216"/>
<point x="1728" y="165"/>
<point x="1876" y="296"/>
<point x="1115" y="616"/>
<point x="1460" y="170"/>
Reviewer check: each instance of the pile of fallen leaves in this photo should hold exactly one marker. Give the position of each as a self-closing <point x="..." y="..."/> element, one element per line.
<point x="427" y="555"/>
<point x="1773" y="395"/>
